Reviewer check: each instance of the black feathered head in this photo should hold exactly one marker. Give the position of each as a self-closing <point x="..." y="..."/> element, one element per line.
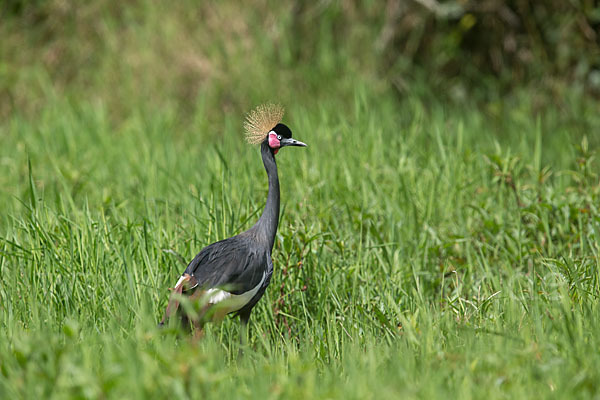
<point x="264" y="123"/>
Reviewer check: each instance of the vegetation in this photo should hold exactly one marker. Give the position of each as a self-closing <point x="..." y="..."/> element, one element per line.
<point x="427" y="247"/>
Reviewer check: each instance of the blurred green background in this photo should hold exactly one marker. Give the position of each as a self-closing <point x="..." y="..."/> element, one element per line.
<point x="159" y="54"/>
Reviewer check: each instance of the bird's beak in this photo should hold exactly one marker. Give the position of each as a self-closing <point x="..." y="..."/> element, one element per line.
<point x="291" y="142"/>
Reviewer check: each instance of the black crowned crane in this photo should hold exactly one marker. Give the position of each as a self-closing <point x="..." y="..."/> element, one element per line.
<point x="232" y="275"/>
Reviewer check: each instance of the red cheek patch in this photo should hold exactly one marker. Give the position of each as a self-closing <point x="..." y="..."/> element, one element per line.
<point x="273" y="141"/>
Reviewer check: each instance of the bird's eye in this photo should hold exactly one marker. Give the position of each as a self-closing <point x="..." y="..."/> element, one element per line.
<point x="278" y="137"/>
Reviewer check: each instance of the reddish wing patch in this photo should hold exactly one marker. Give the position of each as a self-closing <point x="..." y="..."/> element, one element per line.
<point x="178" y="289"/>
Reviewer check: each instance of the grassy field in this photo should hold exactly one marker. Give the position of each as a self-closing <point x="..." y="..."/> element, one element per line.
<point x="425" y="250"/>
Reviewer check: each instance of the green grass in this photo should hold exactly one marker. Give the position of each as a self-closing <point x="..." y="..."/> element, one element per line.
<point x="425" y="250"/>
<point x="404" y="264"/>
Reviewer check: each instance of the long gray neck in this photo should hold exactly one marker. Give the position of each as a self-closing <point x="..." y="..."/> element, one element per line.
<point x="266" y="226"/>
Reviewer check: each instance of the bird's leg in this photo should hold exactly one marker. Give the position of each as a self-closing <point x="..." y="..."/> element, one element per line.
<point x="198" y="330"/>
<point x="244" y="319"/>
<point x="198" y="320"/>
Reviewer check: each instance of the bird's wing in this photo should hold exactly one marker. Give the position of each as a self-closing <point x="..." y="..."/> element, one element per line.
<point x="236" y="264"/>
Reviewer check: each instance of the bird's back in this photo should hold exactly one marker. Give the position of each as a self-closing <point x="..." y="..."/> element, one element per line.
<point x="237" y="264"/>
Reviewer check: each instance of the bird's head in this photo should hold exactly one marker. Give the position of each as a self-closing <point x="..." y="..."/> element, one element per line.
<point x="281" y="136"/>
<point x="263" y="125"/>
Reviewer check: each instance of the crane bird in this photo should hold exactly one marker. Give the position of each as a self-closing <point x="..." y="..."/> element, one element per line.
<point x="232" y="275"/>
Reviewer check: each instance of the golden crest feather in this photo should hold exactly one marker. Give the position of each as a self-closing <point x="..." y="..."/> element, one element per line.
<point x="261" y="120"/>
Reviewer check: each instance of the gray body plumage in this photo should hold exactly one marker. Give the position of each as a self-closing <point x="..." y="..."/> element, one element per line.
<point x="240" y="263"/>
<point x="234" y="273"/>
